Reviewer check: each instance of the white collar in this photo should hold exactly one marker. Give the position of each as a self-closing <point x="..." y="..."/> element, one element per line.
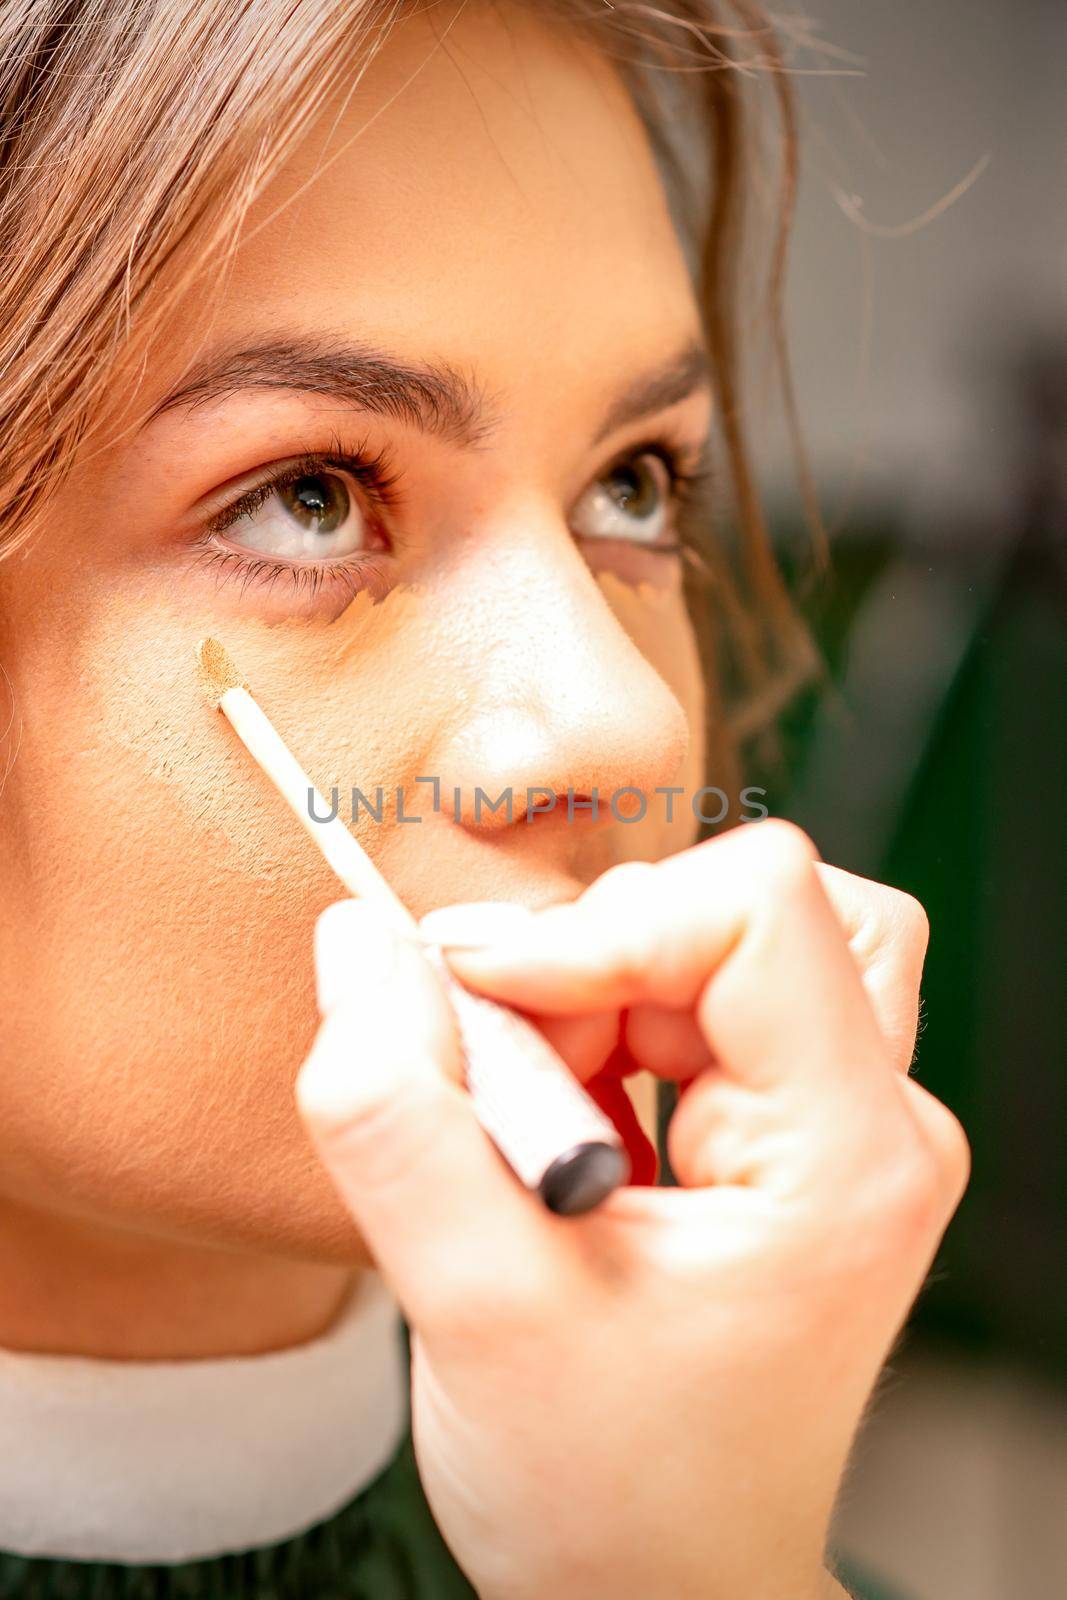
<point x="168" y="1461"/>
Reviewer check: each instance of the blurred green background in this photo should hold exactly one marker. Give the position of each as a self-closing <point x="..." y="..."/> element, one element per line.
<point x="944" y="772"/>
<point x="930" y="357"/>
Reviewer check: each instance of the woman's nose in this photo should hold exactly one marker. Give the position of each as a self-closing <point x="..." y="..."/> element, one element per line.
<point x="561" y="704"/>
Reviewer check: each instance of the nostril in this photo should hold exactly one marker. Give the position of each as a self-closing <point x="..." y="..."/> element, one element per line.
<point x="569" y="805"/>
<point x="491" y="806"/>
<point x="576" y="804"/>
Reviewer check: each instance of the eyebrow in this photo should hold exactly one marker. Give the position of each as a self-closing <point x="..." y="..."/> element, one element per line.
<point x="435" y="397"/>
<point x="684" y="373"/>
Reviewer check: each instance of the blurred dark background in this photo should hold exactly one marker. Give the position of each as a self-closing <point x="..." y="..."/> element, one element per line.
<point x="931" y="367"/>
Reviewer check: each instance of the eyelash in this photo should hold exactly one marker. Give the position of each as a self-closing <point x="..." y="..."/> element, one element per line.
<point x="379" y="478"/>
<point x="375" y="474"/>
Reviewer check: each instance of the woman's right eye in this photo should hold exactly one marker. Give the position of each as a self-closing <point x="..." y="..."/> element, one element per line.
<point x="310" y="516"/>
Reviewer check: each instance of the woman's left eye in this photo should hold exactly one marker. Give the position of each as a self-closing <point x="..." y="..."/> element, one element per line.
<point x="631" y="501"/>
<point x="309" y="514"/>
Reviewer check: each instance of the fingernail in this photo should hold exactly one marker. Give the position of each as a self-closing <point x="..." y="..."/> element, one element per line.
<point x="474" y="924"/>
<point x="353" y="948"/>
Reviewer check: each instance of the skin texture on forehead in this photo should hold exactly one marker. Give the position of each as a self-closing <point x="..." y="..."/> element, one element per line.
<point x="493" y="205"/>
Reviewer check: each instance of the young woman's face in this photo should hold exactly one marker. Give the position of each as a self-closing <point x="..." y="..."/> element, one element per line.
<point x="409" y="467"/>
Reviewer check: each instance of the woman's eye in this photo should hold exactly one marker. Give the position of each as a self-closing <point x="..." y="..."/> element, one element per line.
<point x="311" y="517"/>
<point x="632" y="501"/>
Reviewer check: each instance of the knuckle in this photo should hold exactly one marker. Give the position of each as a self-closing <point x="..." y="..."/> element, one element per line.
<point x="911" y="919"/>
<point x="914" y="1190"/>
<point x="895" y="1196"/>
<point x="890" y="1177"/>
<point x="891" y="1212"/>
<point x="958" y="1164"/>
<point x="786" y="854"/>
<point x="919" y="1187"/>
<point x="948" y="1142"/>
<point x="884" y="1227"/>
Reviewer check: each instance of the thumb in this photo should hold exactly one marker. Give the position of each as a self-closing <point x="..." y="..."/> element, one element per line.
<point x="380" y="1098"/>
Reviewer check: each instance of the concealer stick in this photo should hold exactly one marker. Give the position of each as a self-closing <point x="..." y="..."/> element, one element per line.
<point x="552" y="1134"/>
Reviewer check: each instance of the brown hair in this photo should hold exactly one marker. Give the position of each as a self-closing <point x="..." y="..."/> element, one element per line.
<point x="134" y="134"/>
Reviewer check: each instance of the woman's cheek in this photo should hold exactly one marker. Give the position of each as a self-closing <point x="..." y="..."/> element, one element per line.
<point x="158" y="907"/>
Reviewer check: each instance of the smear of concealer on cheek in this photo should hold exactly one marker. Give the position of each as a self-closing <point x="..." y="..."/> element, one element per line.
<point x="179" y="753"/>
<point x="355" y="700"/>
<point x="656" y="618"/>
<point x="369" y="702"/>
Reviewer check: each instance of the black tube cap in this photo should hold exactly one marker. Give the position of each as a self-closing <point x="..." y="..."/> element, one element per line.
<point x="581" y="1178"/>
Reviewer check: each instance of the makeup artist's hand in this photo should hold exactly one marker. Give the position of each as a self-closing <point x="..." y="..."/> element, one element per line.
<point x="656" y="1399"/>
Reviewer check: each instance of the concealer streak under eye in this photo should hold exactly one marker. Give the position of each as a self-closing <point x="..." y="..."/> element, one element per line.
<point x="306" y="674"/>
<point x="649" y="613"/>
<point x="148" y="702"/>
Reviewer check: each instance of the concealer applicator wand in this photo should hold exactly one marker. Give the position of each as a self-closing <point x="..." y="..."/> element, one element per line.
<point x="553" y="1135"/>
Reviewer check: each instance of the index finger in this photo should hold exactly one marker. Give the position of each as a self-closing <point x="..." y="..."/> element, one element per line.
<point x="738" y="929"/>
